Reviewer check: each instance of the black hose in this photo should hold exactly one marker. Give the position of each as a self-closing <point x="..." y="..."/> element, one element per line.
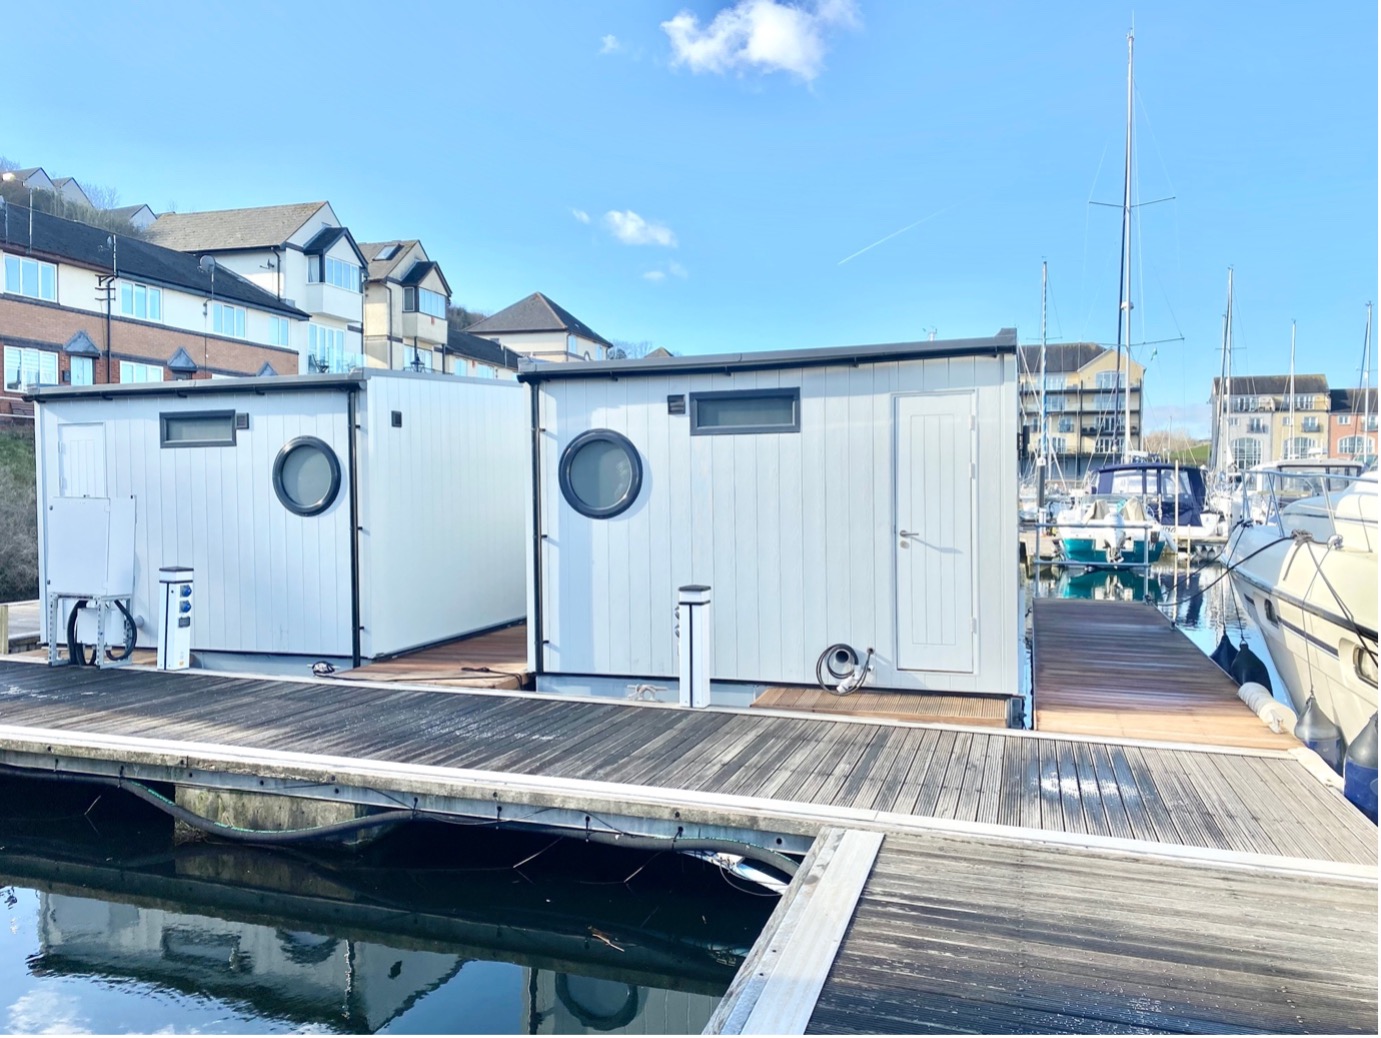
<point x="131" y="635"/>
<point x="75" y="656"/>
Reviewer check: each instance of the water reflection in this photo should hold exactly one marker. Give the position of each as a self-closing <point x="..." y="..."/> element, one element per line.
<point x="111" y="928"/>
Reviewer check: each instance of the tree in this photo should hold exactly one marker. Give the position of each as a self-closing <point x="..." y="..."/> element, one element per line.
<point x="459" y="317"/>
<point x="630" y="350"/>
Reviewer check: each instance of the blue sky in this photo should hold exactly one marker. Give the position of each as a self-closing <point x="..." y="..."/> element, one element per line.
<point x="728" y="158"/>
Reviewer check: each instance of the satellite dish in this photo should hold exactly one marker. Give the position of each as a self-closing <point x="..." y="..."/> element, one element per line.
<point x="207" y="264"/>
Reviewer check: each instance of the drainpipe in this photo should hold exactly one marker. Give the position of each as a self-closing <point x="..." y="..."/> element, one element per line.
<point x="389" y="289"/>
<point x="352" y="417"/>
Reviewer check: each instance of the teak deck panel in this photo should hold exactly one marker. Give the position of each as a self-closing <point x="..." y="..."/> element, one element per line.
<point x="1261" y="802"/>
<point x="495" y="659"/>
<point x="935" y="708"/>
<point x="1121" y="670"/>
<point x="971" y="935"/>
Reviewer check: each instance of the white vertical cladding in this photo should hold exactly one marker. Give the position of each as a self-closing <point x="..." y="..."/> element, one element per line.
<point x="268" y="580"/>
<point x="442" y="547"/>
<point x="794" y="532"/>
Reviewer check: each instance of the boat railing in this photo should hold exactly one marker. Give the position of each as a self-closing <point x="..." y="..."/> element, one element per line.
<point x="1283" y="489"/>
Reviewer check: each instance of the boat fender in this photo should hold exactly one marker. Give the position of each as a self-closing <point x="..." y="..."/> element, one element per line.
<point x="1318" y="732"/>
<point x="1224" y="654"/>
<point x="1278" y="716"/>
<point x="1247" y="666"/>
<point x="1359" y="770"/>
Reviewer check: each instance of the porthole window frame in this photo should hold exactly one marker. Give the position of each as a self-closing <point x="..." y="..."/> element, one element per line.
<point x="332" y="492"/>
<point x="635" y="484"/>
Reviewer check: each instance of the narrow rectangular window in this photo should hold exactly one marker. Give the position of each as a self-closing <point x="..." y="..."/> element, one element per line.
<point x="197" y="429"/>
<point x="278" y="331"/>
<point x="155" y="304"/>
<point x="746" y="411"/>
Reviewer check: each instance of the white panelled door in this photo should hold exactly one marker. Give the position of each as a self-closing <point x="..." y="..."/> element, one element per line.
<point x="936" y="623"/>
<point x="81" y="460"/>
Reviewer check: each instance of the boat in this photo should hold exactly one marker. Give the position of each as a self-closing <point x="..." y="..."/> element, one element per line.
<point x="1307" y="577"/>
<point x="1266" y="488"/>
<point x="1173" y="495"/>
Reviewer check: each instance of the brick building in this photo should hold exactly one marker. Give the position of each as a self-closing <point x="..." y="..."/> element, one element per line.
<point x="82" y="306"/>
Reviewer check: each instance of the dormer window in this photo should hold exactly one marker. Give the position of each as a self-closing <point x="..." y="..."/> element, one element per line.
<point x="424" y="301"/>
<point x="336" y="272"/>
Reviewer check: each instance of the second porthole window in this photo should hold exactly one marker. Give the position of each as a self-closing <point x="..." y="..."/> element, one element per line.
<point x="601" y="473"/>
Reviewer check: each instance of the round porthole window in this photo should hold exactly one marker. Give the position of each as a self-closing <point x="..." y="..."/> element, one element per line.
<point x="306" y="475"/>
<point x="601" y="473"/>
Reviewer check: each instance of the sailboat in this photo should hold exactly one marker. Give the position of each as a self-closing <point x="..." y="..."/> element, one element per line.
<point x="1115" y="528"/>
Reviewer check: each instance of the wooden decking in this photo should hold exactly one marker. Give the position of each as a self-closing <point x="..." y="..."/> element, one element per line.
<point x="496" y="659"/>
<point x="976" y="711"/>
<point x="720" y="766"/>
<point x="1121" y="670"/>
<point x="974" y="935"/>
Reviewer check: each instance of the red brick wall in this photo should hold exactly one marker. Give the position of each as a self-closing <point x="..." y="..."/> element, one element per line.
<point x="52" y="326"/>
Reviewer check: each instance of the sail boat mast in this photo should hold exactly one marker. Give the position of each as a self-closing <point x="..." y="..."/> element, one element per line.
<point x="1042" y="460"/>
<point x="1124" y="283"/>
<point x="1293" y="443"/>
<point x="1222" y="420"/>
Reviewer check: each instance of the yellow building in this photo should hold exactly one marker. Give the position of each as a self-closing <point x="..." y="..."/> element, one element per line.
<point x="1260" y="426"/>
<point x="1083" y="403"/>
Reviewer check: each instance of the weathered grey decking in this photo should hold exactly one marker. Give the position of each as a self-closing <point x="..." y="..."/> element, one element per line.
<point x="1252" y="802"/>
<point x="998" y="937"/>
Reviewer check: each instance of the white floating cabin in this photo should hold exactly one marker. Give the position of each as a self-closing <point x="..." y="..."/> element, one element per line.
<point x="325" y="517"/>
<point x="859" y="495"/>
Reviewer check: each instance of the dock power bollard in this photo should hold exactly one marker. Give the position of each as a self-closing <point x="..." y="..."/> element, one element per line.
<point x="174" y="617"/>
<point x="694" y="643"/>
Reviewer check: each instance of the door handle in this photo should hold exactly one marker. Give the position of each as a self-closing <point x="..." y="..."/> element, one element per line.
<point x="908" y="533"/>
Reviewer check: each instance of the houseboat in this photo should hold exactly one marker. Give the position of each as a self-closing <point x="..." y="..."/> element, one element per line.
<point x="845" y="516"/>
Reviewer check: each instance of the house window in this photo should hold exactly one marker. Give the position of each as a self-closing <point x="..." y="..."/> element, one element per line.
<point x="25" y="368"/>
<point x="1054" y="403"/>
<point x="141" y="302"/>
<point x="1056" y="382"/>
<point x="419" y="359"/>
<point x="424" y="301"/>
<point x="336" y="272"/>
<point x="1257" y="425"/>
<point x="1246" y="452"/>
<point x="1057" y="445"/>
<point x="1356" y="446"/>
<point x="1345" y="419"/>
<point x="1300" y="447"/>
<point x="600" y="473"/>
<point x="31" y="277"/>
<point x="1066" y="425"/>
<point x="1107" y="445"/>
<point x="1110" y="380"/>
<point x="745" y="411"/>
<point x="326" y="348"/>
<point x="131" y="371"/>
<point x="197" y="429"/>
<point x="83" y="371"/>
<point x="278" y="331"/>
<point x="1106" y="402"/>
<point x="1310" y="425"/>
<point x="228" y="320"/>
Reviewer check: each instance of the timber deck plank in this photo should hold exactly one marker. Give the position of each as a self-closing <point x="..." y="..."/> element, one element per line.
<point x="1269" y="805"/>
<point x="1121" y="670"/>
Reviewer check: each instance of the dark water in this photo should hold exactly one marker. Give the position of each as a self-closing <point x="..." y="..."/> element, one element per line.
<point x="434" y="929"/>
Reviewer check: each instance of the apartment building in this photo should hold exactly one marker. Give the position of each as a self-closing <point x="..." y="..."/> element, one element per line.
<point x="1260" y="425"/>
<point x="1083" y="404"/>
<point x="1352" y="424"/>
<point x="406" y="297"/>
<point x="543" y="330"/>
<point x="82" y="306"/>
<point x="300" y="253"/>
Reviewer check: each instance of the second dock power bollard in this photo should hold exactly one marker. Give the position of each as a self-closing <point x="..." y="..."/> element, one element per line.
<point x="694" y="637"/>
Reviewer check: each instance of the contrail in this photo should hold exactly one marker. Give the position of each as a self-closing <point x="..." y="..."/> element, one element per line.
<point x="908" y="227"/>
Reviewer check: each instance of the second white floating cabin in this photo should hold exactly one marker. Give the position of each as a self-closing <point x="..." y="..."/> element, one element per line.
<point x="862" y="497"/>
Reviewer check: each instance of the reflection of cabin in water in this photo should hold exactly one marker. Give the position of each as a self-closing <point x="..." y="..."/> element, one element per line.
<point x="860" y="495"/>
<point x="296" y="976"/>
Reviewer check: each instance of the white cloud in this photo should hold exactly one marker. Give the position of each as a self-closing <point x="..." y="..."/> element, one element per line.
<point x="47" y="1012"/>
<point x="631" y="229"/>
<point x="610" y="44"/>
<point x="581" y="215"/>
<point x="673" y="269"/>
<point x="766" y="35"/>
<point x="676" y="270"/>
<point x="655" y="275"/>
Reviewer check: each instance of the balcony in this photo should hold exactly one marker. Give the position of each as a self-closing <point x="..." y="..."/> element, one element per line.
<point x="423" y="327"/>
<point x="332" y="301"/>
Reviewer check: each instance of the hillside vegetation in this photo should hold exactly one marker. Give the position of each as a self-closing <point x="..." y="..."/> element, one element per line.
<point x="18" y="517"/>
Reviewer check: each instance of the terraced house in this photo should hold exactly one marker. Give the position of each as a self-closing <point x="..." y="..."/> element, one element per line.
<point x="82" y="306"/>
<point x="1085" y="408"/>
<point x="1262" y="425"/>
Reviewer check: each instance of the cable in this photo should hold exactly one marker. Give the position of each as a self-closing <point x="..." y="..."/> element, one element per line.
<point x="1230" y="568"/>
<point x="75" y="653"/>
<point x="131" y="635"/>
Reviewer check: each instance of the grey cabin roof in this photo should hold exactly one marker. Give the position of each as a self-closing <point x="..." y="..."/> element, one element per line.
<point x="209" y="387"/>
<point x="89" y="246"/>
<point x="536" y="313"/>
<point x="1352" y="401"/>
<point x="128" y="211"/>
<point x="1274" y="385"/>
<point x="1061" y="358"/>
<point x="1004" y="342"/>
<point x="257" y="228"/>
<point x="486" y="351"/>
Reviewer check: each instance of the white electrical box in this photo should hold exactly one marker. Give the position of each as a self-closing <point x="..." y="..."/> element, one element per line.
<point x="175" y="613"/>
<point x="90" y="546"/>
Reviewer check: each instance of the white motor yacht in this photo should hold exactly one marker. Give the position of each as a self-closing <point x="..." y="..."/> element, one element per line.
<point x="1308" y="578"/>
